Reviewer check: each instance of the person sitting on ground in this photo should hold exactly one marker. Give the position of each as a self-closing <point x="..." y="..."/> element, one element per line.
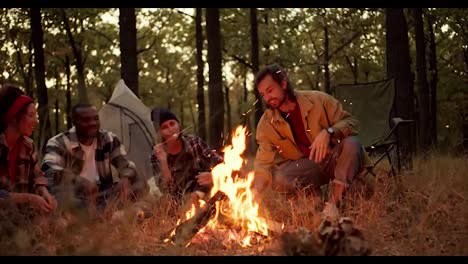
<point x="305" y="139"/>
<point x="21" y="180"/>
<point x="83" y="157"/>
<point x="183" y="162"/>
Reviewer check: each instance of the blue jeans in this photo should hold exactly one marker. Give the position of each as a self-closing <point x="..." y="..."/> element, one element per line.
<point x="341" y="165"/>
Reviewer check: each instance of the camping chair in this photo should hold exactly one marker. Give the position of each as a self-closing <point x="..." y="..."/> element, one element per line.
<point x="371" y="104"/>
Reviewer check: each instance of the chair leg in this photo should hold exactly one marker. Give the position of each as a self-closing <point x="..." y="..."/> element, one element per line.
<point x="369" y="170"/>
<point x="392" y="170"/>
<point x="398" y="152"/>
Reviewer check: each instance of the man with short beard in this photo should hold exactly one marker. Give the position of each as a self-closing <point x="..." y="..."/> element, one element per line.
<point x="83" y="157"/>
<point x="305" y="140"/>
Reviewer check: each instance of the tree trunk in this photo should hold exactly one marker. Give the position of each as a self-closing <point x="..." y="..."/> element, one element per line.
<point x="30" y="70"/>
<point x="192" y="115"/>
<point x="26" y="75"/>
<point x="432" y="57"/>
<point x="181" y="119"/>
<point x="79" y="62"/>
<point x="57" y="108"/>
<point x="353" y="67"/>
<point x="215" y="86"/>
<point x="228" y="111"/>
<point x="258" y="105"/>
<point x="169" y="88"/>
<point x="252" y="144"/>
<point x="200" y="77"/>
<point x="38" y="43"/>
<point x="399" y="68"/>
<point x="423" y="91"/>
<point x="326" y="56"/>
<point x="68" y="95"/>
<point x="255" y="61"/>
<point x="266" y="45"/>
<point x="128" y="48"/>
<point x="245" y="91"/>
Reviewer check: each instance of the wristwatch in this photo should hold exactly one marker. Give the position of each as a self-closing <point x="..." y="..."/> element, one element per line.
<point x="331" y="131"/>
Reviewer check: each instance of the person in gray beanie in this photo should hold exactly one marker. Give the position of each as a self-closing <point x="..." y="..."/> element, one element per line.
<point x="181" y="162"/>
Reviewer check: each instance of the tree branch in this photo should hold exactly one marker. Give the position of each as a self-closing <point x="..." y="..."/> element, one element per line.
<point x="344" y="45"/>
<point x="239" y="59"/>
<point x="154" y="38"/>
<point x="185" y="14"/>
<point x="102" y="35"/>
<point x="148" y="48"/>
<point x="453" y="69"/>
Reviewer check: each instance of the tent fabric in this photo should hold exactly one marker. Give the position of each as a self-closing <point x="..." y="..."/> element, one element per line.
<point x="130" y="120"/>
<point x="371" y="104"/>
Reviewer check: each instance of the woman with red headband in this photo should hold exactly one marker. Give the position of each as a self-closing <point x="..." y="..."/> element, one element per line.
<point x="21" y="180"/>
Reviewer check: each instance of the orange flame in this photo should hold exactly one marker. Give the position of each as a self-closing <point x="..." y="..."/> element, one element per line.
<point x="242" y="207"/>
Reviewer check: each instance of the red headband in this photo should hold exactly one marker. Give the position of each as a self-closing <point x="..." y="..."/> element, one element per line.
<point x="19" y="103"/>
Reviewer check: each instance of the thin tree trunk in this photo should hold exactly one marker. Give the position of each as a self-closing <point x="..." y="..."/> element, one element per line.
<point x="68" y="95"/>
<point x="317" y="78"/>
<point x="399" y="68"/>
<point x="353" y="67"/>
<point x="26" y="75"/>
<point x="79" y="62"/>
<point x="57" y="108"/>
<point x="30" y="70"/>
<point x="38" y="42"/>
<point x="325" y="55"/>
<point x="215" y="87"/>
<point x="200" y="77"/>
<point x="255" y="60"/>
<point x="259" y="107"/>
<point x="245" y="96"/>
<point x="128" y="48"/>
<point x="192" y="115"/>
<point x="169" y="88"/>
<point x="423" y="91"/>
<point x="228" y="110"/>
<point x="266" y="45"/>
<point x="182" y="123"/>
<point x="356" y="71"/>
<point x="432" y="57"/>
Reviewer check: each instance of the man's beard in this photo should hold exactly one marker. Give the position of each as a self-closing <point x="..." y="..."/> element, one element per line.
<point x="285" y="98"/>
<point x="87" y="134"/>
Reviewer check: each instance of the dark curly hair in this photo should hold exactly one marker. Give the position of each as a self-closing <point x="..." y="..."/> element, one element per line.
<point x="8" y="95"/>
<point x="278" y="74"/>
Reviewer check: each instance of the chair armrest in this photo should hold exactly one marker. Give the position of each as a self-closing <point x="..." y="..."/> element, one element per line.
<point x="398" y="120"/>
<point x="396" y="123"/>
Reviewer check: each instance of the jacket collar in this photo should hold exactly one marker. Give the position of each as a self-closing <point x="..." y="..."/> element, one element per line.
<point x="27" y="142"/>
<point x="75" y="143"/>
<point x="305" y="104"/>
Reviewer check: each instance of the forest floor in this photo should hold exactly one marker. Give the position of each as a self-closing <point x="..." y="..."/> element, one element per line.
<point x="423" y="214"/>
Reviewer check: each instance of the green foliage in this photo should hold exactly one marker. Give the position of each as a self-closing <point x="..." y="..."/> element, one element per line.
<point x="293" y="37"/>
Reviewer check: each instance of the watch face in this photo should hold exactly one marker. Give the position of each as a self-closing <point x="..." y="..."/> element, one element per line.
<point x="330" y="130"/>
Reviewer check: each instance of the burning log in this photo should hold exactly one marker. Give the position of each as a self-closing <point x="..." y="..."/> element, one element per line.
<point x="186" y="230"/>
<point x="273" y="226"/>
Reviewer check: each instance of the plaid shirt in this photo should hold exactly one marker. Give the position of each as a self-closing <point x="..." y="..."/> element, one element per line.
<point x="28" y="174"/>
<point x="64" y="153"/>
<point x="195" y="157"/>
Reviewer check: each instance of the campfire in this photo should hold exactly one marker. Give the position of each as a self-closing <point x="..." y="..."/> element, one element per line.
<point x="231" y="209"/>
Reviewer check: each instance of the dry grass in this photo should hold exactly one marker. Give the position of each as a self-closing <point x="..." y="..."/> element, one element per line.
<point x="425" y="214"/>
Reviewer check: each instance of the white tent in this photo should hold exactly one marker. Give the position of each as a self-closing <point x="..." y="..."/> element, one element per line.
<point x="130" y="120"/>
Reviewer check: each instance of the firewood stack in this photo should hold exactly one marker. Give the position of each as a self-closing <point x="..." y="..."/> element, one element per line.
<point x="338" y="238"/>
